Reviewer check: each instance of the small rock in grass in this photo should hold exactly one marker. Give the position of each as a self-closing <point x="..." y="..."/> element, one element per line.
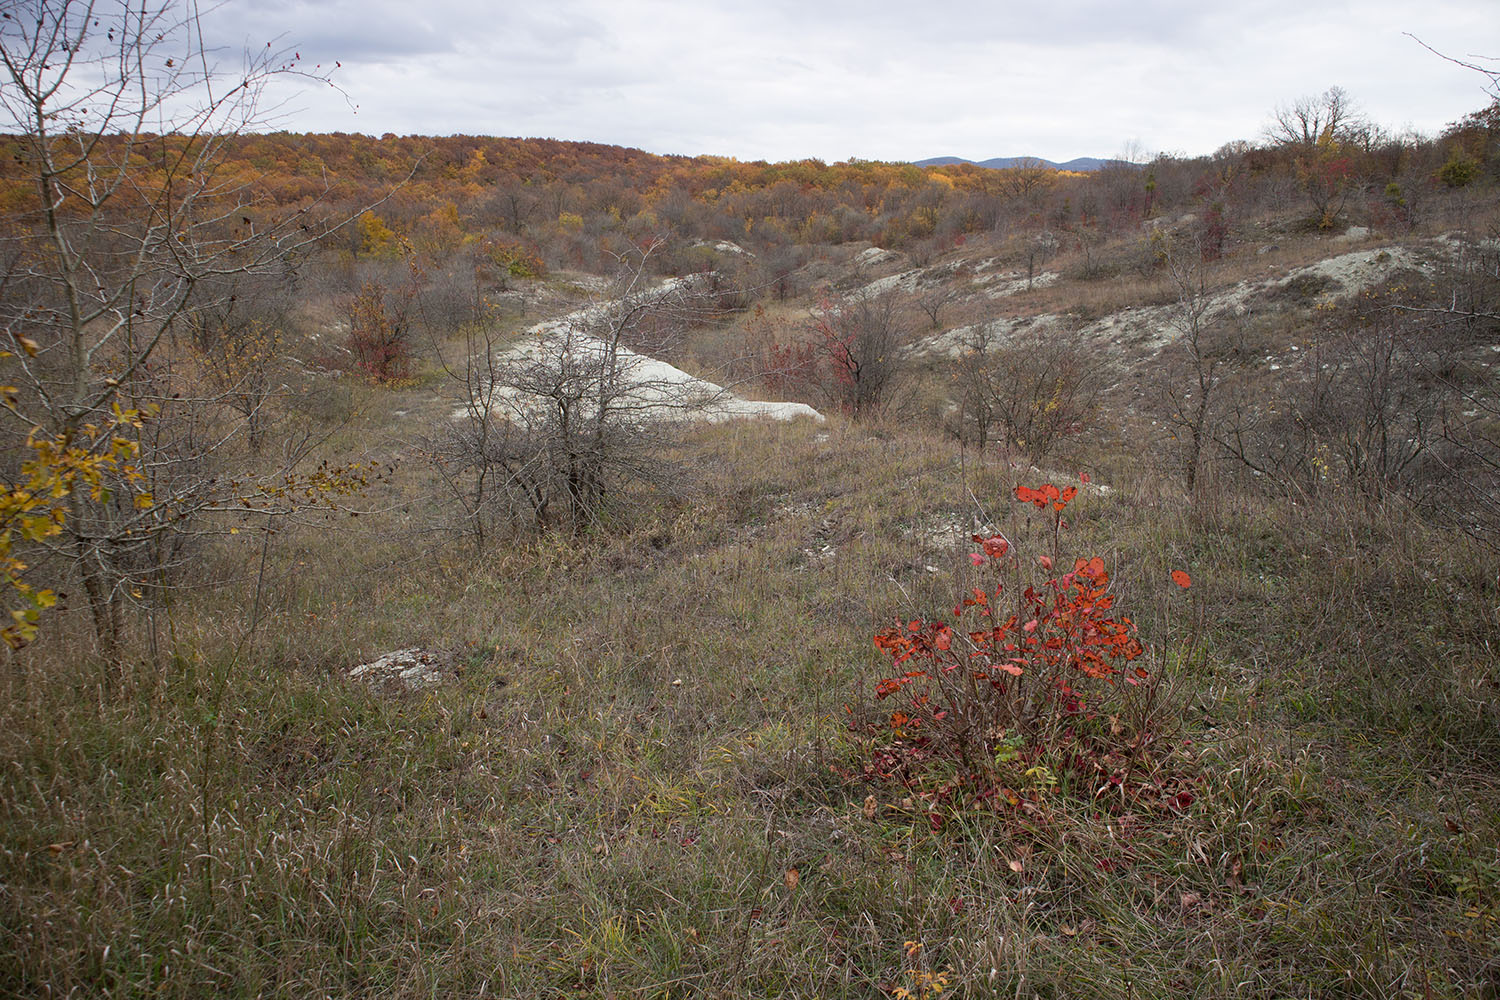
<point x="413" y="669"/>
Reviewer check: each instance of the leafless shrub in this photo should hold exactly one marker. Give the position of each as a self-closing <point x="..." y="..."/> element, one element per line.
<point x="1034" y="387"/>
<point x="560" y="433"/>
<point x="935" y="299"/>
<point x="861" y="343"/>
<point x="1192" y="369"/>
<point x="1393" y="399"/>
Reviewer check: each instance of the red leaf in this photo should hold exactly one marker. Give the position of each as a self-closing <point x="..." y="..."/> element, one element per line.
<point x="994" y="546"/>
<point x="1181" y="579"/>
<point x="1041" y="497"/>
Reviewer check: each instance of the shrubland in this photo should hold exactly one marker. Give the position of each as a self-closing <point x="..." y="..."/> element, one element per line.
<point x="1127" y="627"/>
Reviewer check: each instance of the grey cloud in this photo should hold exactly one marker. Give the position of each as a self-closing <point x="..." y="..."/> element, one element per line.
<point x="875" y="78"/>
<point x="331" y="30"/>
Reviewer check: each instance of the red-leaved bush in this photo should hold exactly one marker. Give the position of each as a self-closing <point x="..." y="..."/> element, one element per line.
<point x="1033" y="693"/>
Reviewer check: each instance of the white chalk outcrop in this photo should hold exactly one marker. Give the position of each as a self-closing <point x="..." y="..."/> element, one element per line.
<point x="1149" y="328"/>
<point x="564" y="355"/>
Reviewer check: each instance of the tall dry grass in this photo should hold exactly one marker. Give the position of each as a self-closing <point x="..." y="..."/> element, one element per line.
<point x="638" y="749"/>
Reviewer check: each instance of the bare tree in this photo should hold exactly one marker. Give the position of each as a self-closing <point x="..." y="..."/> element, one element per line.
<point x="1040" y="248"/>
<point x="474" y="453"/>
<point x="1386" y="419"/>
<point x="862" y="340"/>
<point x="1392" y="399"/>
<point x="1491" y="73"/>
<point x="121" y="118"/>
<point x="934" y="298"/>
<point x="513" y="203"/>
<point x="558" y="431"/>
<point x="239" y="328"/>
<point x="1329" y="115"/>
<point x="1192" y="369"/>
<point x="779" y="264"/>
<point x="1319" y="132"/>
<point x="1026" y="177"/>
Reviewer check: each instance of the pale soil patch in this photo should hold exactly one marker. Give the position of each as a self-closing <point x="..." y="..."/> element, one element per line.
<point x="984" y="278"/>
<point x="649" y="389"/>
<point x="724" y="246"/>
<point x="1147" y="329"/>
<point x="905" y="281"/>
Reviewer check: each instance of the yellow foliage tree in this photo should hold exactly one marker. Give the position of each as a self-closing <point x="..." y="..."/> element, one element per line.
<point x="376" y="239"/>
<point x="34" y="504"/>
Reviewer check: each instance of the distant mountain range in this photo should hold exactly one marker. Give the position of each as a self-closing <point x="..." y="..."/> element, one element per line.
<point x="1082" y="163"/>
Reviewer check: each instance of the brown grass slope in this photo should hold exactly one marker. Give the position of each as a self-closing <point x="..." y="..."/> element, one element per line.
<point x="635" y="782"/>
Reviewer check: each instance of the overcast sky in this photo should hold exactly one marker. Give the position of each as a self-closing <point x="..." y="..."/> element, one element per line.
<point x="873" y="79"/>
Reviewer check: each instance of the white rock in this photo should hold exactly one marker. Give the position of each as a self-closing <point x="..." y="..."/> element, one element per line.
<point x="649" y="389"/>
<point x="874" y="255"/>
<point x="414" y="668"/>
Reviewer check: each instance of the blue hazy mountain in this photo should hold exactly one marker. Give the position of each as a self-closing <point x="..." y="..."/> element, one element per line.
<point x="1081" y="163"/>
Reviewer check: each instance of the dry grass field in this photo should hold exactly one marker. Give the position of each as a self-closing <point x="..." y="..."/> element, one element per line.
<point x="635" y="781"/>
<point x="652" y="765"/>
